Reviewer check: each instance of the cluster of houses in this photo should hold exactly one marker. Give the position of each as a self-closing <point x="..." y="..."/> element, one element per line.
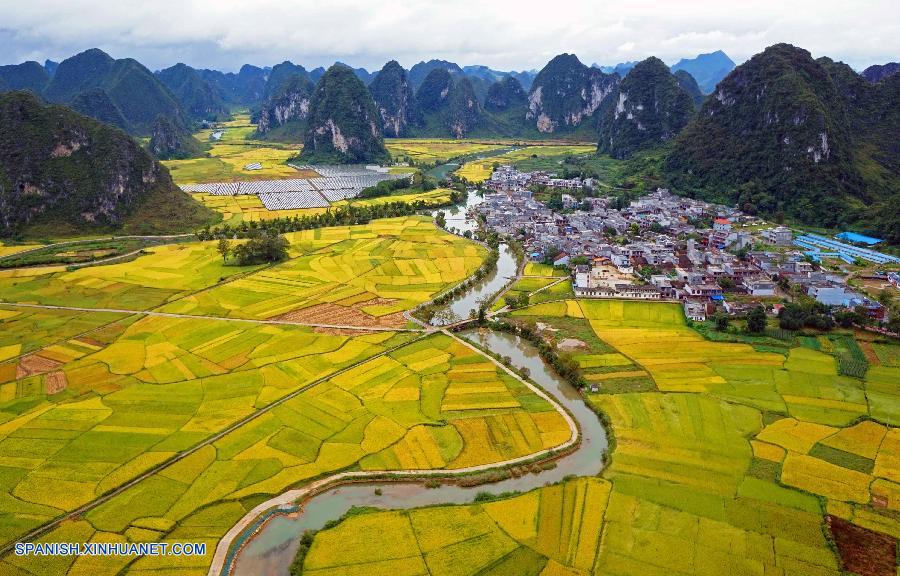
<point x="506" y="179"/>
<point x="663" y="247"/>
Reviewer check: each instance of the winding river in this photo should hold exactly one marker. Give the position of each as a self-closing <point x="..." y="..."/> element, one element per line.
<point x="273" y="548"/>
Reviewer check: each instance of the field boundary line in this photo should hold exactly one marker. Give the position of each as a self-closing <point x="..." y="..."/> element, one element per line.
<point x="215" y="318"/>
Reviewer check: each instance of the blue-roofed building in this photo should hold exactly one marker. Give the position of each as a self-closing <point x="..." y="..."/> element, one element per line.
<point x="858" y="238"/>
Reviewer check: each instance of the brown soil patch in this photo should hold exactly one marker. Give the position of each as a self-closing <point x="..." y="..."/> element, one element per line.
<point x="863" y="551"/>
<point x="34" y="364"/>
<point x="55" y="382"/>
<point x="342" y="316"/>
<point x="869" y="352"/>
<point x="306" y="174"/>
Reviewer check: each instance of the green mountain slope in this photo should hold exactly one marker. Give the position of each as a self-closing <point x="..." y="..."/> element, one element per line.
<point x="648" y="108"/>
<point x="139" y="96"/>
<point x="197" y="97"/>
<point x="343" y="125"/>
<point x="62" y="170"/>
<point x="784" y="133"/>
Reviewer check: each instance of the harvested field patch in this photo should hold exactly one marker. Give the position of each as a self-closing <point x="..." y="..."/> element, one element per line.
<point x="863" y="551"/>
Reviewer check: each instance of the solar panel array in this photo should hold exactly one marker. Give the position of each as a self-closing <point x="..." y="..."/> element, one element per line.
<point x="335" y="183"/>
<point x="293" y="200"/>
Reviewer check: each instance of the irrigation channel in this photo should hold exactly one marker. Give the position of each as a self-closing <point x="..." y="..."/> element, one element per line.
<point x="269" y="545"/>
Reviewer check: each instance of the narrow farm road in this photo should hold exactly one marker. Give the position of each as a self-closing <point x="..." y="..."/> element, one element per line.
<point x="216" y="318"/>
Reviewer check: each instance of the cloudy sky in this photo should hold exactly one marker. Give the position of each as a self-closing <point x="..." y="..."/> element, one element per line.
<point x="503" y="34"/>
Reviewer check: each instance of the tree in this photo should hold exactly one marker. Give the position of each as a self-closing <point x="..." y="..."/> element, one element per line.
<point x="721" y="322"/>
<point x="266" y="247"/>
<point x="440" y="219"/>
<point x="756" y="320"/>
<point x="224" y="248"/>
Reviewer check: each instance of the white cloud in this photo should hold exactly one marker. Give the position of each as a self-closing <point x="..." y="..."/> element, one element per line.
<point x="505" y="34"/>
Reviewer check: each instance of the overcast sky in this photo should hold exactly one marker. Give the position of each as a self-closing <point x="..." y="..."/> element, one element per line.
<point x="503" y="34"/>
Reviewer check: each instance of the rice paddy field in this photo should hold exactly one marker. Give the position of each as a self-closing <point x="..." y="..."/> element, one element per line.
<point x="350" y="275"/>
<point x="432" y="403"/>
<point x="211" y="416"/>
<point x="478" y="171"/>
<point x="365" y="274"/>
<point x="235" y="149"/>
<point x="437" y="150"/>
<point x="550" y="531"/>
<point x="728" y="463"/>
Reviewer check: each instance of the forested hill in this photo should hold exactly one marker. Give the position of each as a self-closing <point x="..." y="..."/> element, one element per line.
<point x="72" y="173"/>
<point x="784" y="133"/>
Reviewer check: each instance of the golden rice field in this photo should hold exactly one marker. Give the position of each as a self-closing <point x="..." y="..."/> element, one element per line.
<point x="431" y="150"/>
<point x="227" y="157"/>
<point x="160" y="385"/>
<point x="549" y="531"/>
<point x="348" y="274"/>
<point x="365" y="274"/>
<point x="479" y="170"/>
<point x="710" y="460"/>
<point x="7" y="249"/>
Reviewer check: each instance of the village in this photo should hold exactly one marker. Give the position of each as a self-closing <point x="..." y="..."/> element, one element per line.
<point x="711" y="258"/>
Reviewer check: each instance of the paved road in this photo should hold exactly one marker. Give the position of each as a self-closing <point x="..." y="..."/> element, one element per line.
<point x="216" y="318"/>
<point x="48" y="526"/>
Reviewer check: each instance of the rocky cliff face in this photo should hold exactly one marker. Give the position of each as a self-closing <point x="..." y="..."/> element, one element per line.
<point x="55" y="163"/>
<point x="648" y="108"/>
<point x="290" y="103"/>
<point x="343" y="124"/>
<point x="395" y="100"/>
<point x="566" y="92"/>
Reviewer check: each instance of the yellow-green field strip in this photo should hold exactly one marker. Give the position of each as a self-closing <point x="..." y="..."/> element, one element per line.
<point x="214" y="438"/>
<point x="218" y="318"/>
<point x="217" y="568"/>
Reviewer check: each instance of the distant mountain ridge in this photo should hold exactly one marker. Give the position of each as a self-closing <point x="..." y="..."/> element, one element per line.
<point x="131" y="94"/>
<point x="707" y="69"/>
<point x="879" y="72"/>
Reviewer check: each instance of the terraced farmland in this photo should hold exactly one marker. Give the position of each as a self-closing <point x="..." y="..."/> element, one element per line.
<point x="727" y="464"/>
